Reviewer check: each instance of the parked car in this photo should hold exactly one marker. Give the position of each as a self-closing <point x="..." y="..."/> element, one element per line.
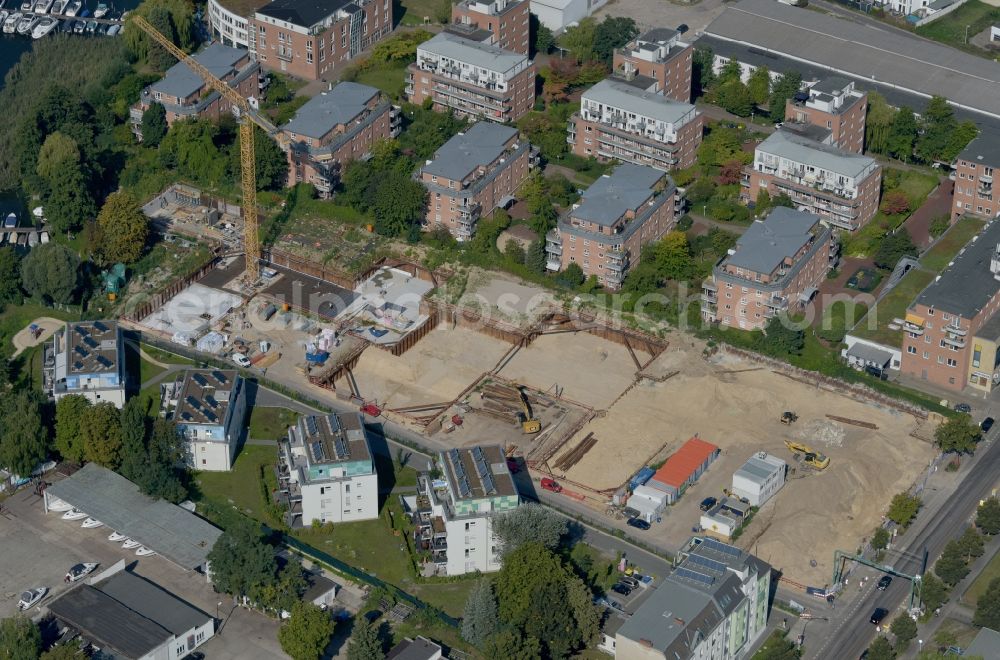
<point x="552" y="485"/>
<point x="872" y="370"/>
<point x="707" y="503"/>
<point x="638" y="523"/>
<point x="963" y="408"/>
<point x="241" y="360"/>
<point x="987" y="424"/>
<point x="884" y="583"/>
<point x="879" y="614"/>
<point x="631" y="582"/>
<point x="622" y="589"/>
<point x="682" y="28"/>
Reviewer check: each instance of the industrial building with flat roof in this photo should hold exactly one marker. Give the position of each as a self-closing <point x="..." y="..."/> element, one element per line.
<point x="209" y="407"/>
<point x="86" y="358"/>
<point x="760" y="478"/>
<point x="683" y="468"/>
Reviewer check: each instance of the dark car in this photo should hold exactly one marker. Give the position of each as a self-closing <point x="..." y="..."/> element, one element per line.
<point x="987" y="424"/>
<point x="879" y="614"/>
<point x="872" y="370"/>
<point x="630" y="582"/>
<point x="707" y="503"/>
<point x="638" y="523"/>
<point x="884" y="583"/>
<point x="682" y="28"/>
<point x="622" y="589"/>
<point x="963" y="408"/>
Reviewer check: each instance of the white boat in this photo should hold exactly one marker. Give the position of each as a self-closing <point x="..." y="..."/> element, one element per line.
<point x="11" y="220"/>
<point x="9" y="25"/>
<point x="31" y="597"/>
<point x="144" y="552"/>
<point x="73" y="514"/>
<point x="59" y="506"/>
<point x="3" y="15"/>
<point x="43" y="6"/>
<point x="114" y="30"/>
<point x="101" y="10"/>
<point x="58" y="6"/>
<point x="44" y="237"/>
<point x="26" y="5"/>
<point x="129" y="544"/>
<point x="72" y="7"/>
<point x="45" y="25"/>
<point x="27" y="24"/>
<point x="115" y="537"/>
<point x="79" y="571"/>
<point x="91" y="523"/>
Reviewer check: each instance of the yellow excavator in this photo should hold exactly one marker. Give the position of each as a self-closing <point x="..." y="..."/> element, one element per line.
<point x="529" y="423"/>
<point x="811" y="457"/>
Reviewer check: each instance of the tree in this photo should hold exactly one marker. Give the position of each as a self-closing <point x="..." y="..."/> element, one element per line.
<point x="545" y="41"/>
<point x="971" y="543"/>
<point x="20" y="638"/>
<point x="759" y="85"/>
<point x="271" y="162"/>
<point x="24" y="441"/>
<point x="305" y="634"/>
<point x="66" y="652"/>
<point x="10" y="278"/>
<point x="988" y="516"/>
<point x="951" y="567"/>
<point x="763" y="203"/>
<point x="721" y="240"/>
<point x="240" y="560"/>
<point x="783" y="89"/>
<point x="513" y="252"/>
<point x="881" y="649"/>
<point x="529" y="523"/>
<point x="480" y="620"/>
<point x="673" y="256"/>
<point x="701" y="190"/>
<point x="611" y="33"/>
<point x="780" y="338"/>
<point x="904" y="628"/>
<point x="510" y="645"/>
<point x="988" y="606"/>
<point x="782" y="199"/>
<point x="730" y="72"/>
<point x="365" y="643"/>
<point x="579" y="39"/>
<point x="123" y="229"/>
<point x="878" y="123"/>
<point x="880" y="539"/>
<point x="70" y="201"/>
<point x="101" y="432"/>
<point x="903" y="509"/>
<point x="894" y="246"/>
<point x="162" y="477"/>
<point x="154" y="124"/>
<point x="957" y="435"/>
<point x="58" y="152"/>
<point x="134" y="457"/>
<point x="933" y="592"/>
<point x="571" y="277"/>
<point x="938" y="125"/>
<point x="895" y="202"/>
<point x="734" y="97"/>
<point x="702" y="73"/>
<point x="902" y="135"/>
<point x="70" y="411"/>
<point x="49" y="271"/>
<point x="535" y="257"/>
<point x="731" y="172"/>
<point x="399" y="203"/>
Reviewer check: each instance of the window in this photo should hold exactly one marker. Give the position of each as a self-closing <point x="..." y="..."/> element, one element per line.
<point x="927" y="355"/>
<point x="911" y="349"/>
<point x="952" y="362"/>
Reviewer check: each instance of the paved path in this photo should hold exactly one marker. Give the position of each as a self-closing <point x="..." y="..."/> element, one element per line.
<point x="23" y="338"/>
<point x="169" y="370"/>
<point x="938" y="203"/>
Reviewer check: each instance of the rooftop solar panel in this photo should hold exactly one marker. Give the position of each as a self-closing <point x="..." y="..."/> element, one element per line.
<point x="694" y="576"/>
<point x="717" y="546"/>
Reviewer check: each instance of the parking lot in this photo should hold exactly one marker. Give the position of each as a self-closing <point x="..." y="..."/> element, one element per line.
<point x="37" y="550"/>
<point x="659" y="13"/>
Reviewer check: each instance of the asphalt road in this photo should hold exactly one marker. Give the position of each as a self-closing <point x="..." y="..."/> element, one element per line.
<point x="855" y="632"/>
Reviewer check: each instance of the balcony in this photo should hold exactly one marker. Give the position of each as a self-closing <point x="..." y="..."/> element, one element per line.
<point x="954" y="329"/>
<point x="776" y="303"/>
<point x="709" y="295"/>
<point x="553" y="264"/>
<point x="913" y="328"/>
<point x="469" y="212"/>
<point x="953" y="341"/>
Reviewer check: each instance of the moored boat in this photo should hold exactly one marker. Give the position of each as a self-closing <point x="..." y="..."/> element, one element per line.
<point x="72" y="7"/>
<point x="27" y="24"/>
<point x="10" y="24"/>
<point x="45" y="25"/>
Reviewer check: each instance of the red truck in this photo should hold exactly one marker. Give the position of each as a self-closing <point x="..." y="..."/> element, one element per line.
<point x="552" y="485"/>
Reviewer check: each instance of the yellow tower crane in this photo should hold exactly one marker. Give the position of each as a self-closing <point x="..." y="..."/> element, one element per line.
<point x="247" y="118"/>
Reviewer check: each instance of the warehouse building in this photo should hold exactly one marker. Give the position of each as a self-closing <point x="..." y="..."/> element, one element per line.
<point x="684" y="468"/>
<point x="759" y="478"/>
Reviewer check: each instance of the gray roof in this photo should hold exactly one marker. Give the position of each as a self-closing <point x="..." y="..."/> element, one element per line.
<point x="768" y="242"/>
<point x="672" y="609"/>
<point x="758" y="470"/>
<point x="990" y="329"/>
<point x="324" y="112"/>
<point x="414" y="649"/>
<point x="622" y="95"/>
<point x="204" y="395"/>
<point x="986" y="644"/>
<point x="176" y="534"/>
<point x="608" y="198"/>
<point x="965" y="287"/>
<point x="984" y="149"/>
<point x="304" y="13"/>
<point x="658" y="35"/>
<point x="153" y="602"/>
<point x="478" y="146"/>
<point x="803" y="150"/>
<point x="474" y="53"/>
<point x="93" y="347"/>
<point x="181" y="81"/>
<point x="868" y="353"/>
<point x="473" y="463"/>
<point x="831" y="84"/>
<point x="864" y="48"/>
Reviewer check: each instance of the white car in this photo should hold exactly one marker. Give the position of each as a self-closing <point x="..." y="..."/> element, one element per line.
<point x="31" y="597"/>
<point x="80" y="571"/>
<point x="241" y="360"/>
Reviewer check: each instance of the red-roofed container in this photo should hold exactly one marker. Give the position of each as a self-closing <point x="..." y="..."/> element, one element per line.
<point x="683" y="468"/>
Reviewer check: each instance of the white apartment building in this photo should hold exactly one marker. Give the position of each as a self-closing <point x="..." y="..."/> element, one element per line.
<point x="760" y="478"/>
<point x="454" y="513"/>
<point x="228" y="26"/>
<point x="326" y="472"/>
<point x="209" y="408"/>
<point x="86" y="358"/>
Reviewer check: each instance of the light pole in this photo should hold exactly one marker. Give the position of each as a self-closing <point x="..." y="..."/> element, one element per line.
<point x="967" y="35"/>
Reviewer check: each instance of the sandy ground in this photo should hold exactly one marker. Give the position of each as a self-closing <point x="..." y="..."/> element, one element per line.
<point x="513" y="301"/>
<point x="23" y="338"/>
<point x="436" y="369"/>
<point x="585" y="368"/>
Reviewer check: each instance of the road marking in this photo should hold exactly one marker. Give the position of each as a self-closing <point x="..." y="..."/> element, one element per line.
<point x="857" y="605"/>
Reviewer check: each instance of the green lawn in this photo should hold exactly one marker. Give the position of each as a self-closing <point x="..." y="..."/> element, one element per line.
<point x="957" y="237"/>
<point x="390" y="79"/>
<point x="148" y="370"/>
<point x="893" y="306"/>
<point x="951" y="29"/>
<point x="241" y="486"/>
<point x="775" y="644"/>
<point x="838" y="318"/>
<point x="978" y="587"/>
<point x="270" y="423"/>
<point x="164" y="356"/>
<point x="13" y="319"/>
<point x="412" y="12"/>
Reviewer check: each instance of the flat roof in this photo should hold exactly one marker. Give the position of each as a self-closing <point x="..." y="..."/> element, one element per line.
<point x="92" y="347"/>
<point x="475" y="473"/>
<point x="620" y="94"/>
<point x="984" y="149"/>
<point x="469" y="150"/>
<point x="658" y="35"/>
<point x="333" y="438"/>
<point x="304" y="13"/>
<point x="204" y="395"/>
<point x="869" y="353"/>
<point x="414" y="649"/>
<point x="758" y="469"/>
<point x="624" y="189"/>
<point x="967" y="285"/>
<point x="767" y="243"/>
<point x="985" y="644"/>
<point x="831" y="85"/>
<point x="178" y="535"/>
<point x="474" y="53"/>
<point x="864" y="48"/>
<point x="181" y="81"/>
<point x="786" y="144"/>
<point x="327" y="110"/>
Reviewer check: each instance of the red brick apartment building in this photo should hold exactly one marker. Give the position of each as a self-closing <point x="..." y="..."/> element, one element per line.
<point x="836" y="108"/>
<point x="472" y="174"/>
<point x="472" y="79"/>
<point x="501" y="23"/>
<point x="776" y="266"/>
<point x="660" y="58"/>
<point x="951" y="330"/>
<point x="974" y="177"/>
<point x="184" y="94"/>
<point x="334" y="128"/>
<point x="841" y="187"/>
<point x="312" y="40"/>
<point x="618" y="121"/>
<point x="605" y="231"/>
